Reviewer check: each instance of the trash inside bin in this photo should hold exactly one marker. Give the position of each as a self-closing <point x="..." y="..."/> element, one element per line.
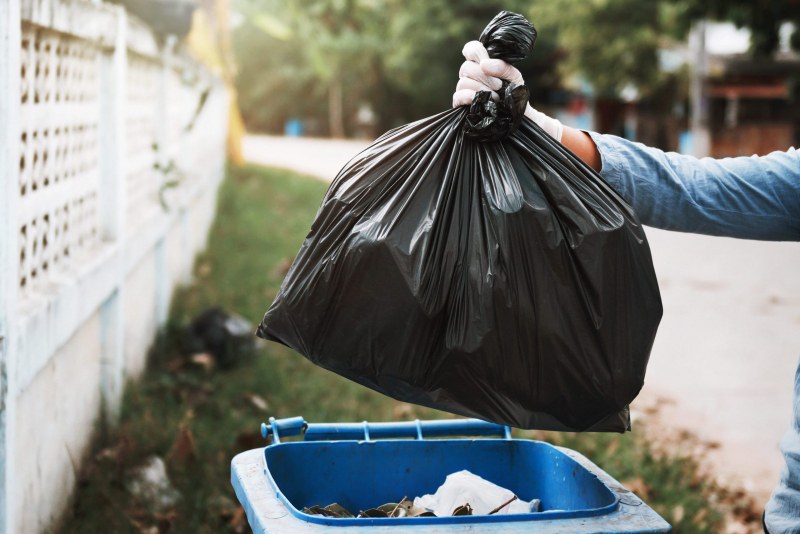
<point x="360" y="465"/>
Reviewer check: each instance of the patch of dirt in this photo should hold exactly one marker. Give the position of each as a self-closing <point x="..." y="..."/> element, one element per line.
<point x="742" y="510"/>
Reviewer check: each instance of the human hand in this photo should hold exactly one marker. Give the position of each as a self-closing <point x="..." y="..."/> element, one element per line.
<point x="480" y="73"/>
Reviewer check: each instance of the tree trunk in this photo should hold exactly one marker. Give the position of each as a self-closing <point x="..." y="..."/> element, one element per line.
<point x="335" y="109"/>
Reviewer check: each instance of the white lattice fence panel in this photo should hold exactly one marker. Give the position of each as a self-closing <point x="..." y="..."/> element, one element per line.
<point x="202" y="156"/>
<point x="182" y="100"/>
<point x="143" y="84"/>
<point x="58" y="167"/>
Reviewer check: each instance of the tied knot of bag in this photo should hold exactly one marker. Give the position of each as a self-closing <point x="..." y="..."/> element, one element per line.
<point x="510" y="37"/>
<point x="489" y="121"/>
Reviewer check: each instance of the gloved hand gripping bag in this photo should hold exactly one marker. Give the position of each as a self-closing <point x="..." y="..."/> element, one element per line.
<point x="470" y="263"/>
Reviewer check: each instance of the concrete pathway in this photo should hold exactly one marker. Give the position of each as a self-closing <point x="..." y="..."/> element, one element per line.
<point x="724" y="360"/>
<point x="321" y="158"/>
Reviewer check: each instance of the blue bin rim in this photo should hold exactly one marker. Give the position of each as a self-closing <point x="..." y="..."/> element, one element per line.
<point x="452" y="520"/>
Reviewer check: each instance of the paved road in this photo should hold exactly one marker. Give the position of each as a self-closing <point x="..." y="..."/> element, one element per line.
<point x="321" y="158"/>
<point x="727" y="347"/>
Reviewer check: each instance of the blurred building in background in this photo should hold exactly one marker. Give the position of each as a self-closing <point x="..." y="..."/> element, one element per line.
<point x="727" y="103"/>
<point x="752" y="106"/>
<point x="743" y="104"/>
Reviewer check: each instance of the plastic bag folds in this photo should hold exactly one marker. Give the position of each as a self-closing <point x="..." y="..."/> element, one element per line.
<point x="492" y="275"/>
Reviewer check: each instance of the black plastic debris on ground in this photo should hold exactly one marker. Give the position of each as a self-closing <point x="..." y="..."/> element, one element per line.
<point x="226" y="336"/>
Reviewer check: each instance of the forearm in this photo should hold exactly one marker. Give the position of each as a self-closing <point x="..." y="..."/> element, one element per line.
<point x="748" y="197"/>
<point x="582" y="145"/>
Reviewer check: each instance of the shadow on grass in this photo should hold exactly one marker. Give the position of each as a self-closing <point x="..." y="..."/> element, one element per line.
<point x="197" y="419"/>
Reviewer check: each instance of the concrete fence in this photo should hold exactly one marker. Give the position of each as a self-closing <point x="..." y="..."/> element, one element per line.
<point x="112" y="147"/>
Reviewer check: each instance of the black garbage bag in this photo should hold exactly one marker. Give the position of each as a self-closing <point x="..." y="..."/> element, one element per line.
<point x="470" y="263"/>
<point x="228" y="337"/>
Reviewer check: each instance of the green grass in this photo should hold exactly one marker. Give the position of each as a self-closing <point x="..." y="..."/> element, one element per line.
<point x="263" y="216"/>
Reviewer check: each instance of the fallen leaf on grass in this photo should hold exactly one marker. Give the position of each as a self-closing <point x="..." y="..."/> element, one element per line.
<point x="174" y="365"/>
<point x="612" y="448"/>
<point x="677" y="514"/>
<point x="638" y="486"/>
<point x="183" y="449"/>
<point x="204" y="360"/>
<point x="204" y="269"/>
<point x="282" y="268"/>
<point x="700" y="516"/>
<point x="238" y="522"/>
<point x="257" y="401"/>
<point x="222" y="506"/>
<point x="403" y="411"/>
<point x="165" y="521"/>
<point x="137" y="517"/>
<point x="194" y="396"/>
<point x="111" y="454"/>
<point x="270" y="294"/>
<point x="249" y="440"/>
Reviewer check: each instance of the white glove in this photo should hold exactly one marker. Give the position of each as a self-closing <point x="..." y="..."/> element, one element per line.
<point x="479" y="73"/>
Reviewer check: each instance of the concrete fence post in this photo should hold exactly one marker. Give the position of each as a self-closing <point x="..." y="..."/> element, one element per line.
<point x="165" y="160"/>
<point x="113" y="208"/>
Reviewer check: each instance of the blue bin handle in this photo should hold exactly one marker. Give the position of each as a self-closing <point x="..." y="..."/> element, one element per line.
<point x="417" y="429"/>
<point x="290" y="426"/>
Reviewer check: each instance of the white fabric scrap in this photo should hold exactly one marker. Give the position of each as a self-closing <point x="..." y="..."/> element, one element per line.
<point x="483" y="496"/>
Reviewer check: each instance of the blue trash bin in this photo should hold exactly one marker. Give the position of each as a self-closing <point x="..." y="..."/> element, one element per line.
<point x="363" y="465"/>
<point x="293" y="128"/>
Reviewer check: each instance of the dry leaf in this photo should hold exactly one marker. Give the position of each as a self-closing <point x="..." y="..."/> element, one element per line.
<point x="204" y="360"/>
<point x="204" y="269"/>
<point x="465" y="509"/>
<point x="373" y="512"/>
<point x="700" y="516"/>
<point x="403" y="411"/>
<point x="638" y="486"/>
<point x="238" y="522"/>
<point x="249" y="440"/>
<point x="165" y="521"/>
<point x="116" y="453"/>
<point x="257" y="401"/>
<point x="222" y="506"/>
<point x="677" y="514"/>
<point x="282" y="267"/>
<point x="174" y="365"/>
<point x="183" y="449"/>
<point x="612" y="448"/>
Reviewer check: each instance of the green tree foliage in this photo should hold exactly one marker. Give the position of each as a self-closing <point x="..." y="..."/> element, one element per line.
<point x="612" y="43"/>
<point x="615" y="42"/>
<point x="321" y="60"/>
<point x="274" y="80"/>
<point x="303" y="59"/>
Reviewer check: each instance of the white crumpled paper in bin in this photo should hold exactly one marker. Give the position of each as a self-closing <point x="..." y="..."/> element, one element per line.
<point x="483" y="496"/>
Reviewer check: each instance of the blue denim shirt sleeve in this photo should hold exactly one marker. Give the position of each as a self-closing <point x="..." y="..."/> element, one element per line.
<point x="745" y="197"/>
